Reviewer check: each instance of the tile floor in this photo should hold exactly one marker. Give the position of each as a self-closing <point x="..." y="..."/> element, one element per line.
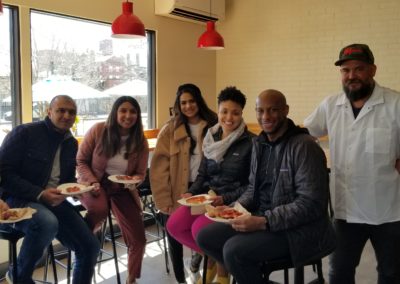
<point x="154" y="270"/>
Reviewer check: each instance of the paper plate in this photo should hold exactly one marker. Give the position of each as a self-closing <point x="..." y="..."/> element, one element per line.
<point x="124" y="179"/>
<point x="184" y="201"/>
<point x="24" y="214"/>
<point x="237" y="206"/>
<point x="74" y="188"/>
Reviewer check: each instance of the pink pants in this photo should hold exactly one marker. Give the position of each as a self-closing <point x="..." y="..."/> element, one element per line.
<point x="129" y="217"/>
<point x="183" y="226"/>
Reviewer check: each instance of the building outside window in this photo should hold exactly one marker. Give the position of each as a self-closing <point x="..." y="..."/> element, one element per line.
<point x="79" y="58"/>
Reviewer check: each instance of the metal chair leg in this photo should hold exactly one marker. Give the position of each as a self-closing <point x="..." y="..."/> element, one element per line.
<point x="113" y="244"/>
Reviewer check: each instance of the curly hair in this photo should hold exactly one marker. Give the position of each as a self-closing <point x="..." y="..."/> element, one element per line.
<point x="231" y="93"/>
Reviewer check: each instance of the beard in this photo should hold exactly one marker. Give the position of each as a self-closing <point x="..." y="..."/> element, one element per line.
<point x="363" y="92"/>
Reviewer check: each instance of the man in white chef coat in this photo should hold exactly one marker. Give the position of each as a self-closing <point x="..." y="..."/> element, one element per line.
<point x="363" y="126"/>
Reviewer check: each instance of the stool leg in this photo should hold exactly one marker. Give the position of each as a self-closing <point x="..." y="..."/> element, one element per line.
<point x="102" y="239"/>
<point x="162" y="223"/>
<point x="165" y="251"/>
<point x="299" y="275"/>
<point x="69" y="266"/>
<point x="46" y="265"/>
<point x="13" y="253"/>
<point x="205" y="263"/>
<point x="53" y="263"/>
<point x="113" y="244"/>
<point x="319" y="272"/>
<point x="286" y="275"/>
<point x="320" y="279"/>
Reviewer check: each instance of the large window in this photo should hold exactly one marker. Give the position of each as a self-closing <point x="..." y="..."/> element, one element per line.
<point x="9" y="71"/>
<point x="79" y="58"/>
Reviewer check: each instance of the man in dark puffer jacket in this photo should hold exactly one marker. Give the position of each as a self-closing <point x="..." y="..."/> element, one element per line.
<point x="287" y="195"/>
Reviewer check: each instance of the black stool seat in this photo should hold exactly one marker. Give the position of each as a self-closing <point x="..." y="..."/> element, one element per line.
<point x="267" y="267"/>
<point x="284" y="264"/>
<point x="11" y="235"/>
<point x="144" y="191"/>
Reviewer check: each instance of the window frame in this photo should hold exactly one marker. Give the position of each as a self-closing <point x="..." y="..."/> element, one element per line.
<point x="15" y="64"/>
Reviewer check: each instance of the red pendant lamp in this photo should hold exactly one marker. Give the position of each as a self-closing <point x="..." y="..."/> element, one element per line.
<point x="127" y="25"/>
<point x="211" y="39"/>
<point x="1" y="8"/>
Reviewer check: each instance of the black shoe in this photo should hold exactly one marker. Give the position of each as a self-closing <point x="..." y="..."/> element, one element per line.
<point x="195" y="262"/>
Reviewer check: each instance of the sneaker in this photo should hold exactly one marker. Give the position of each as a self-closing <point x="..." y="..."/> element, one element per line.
<point x="222" y="280"/>
<point x="194" y="277"/>
<point x="8" y="278"/>
<point x="195" y="262"/>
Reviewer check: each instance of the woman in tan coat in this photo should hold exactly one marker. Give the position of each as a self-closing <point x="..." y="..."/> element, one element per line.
<point x="177" y="158"/>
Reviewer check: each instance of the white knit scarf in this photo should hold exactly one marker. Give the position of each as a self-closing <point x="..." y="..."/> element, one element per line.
<point x="216" y="150"/>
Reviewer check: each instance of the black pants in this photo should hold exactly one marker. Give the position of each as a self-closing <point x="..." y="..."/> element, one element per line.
<point x="352" y="238"/>
<point x="176" y="254"/>
<point x="241" y="253"/>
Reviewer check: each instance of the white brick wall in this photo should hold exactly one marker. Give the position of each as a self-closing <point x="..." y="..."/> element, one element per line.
<point x="291" y="45"/>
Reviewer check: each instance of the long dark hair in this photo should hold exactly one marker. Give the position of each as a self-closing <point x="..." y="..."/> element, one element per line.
<point x="111" y="139"/>
<point x="205" y="112"/>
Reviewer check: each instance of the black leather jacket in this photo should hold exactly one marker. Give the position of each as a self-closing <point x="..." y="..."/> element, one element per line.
<point x="229" y="178"/>
<point x="299" y="201"/>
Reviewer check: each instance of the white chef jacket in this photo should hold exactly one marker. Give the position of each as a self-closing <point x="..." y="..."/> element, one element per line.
<point x="365" y="185"/>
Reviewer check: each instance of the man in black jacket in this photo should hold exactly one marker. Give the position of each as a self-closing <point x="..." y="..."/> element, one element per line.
<point x="287" y="195"/>
<point x="34" y="159"/>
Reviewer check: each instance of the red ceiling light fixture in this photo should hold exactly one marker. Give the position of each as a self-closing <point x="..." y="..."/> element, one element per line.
<point x="127" y="25"/>
<point x="1" y="7"/>
<point x="211" y="39"/>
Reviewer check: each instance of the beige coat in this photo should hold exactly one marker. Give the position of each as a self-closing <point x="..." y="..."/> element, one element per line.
<point x="170" y="169"/>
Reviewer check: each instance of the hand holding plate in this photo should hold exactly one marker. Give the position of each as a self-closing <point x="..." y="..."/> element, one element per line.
<point x="52" y="196"/>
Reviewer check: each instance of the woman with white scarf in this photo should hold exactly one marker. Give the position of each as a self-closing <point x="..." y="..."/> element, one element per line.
<point x="224" y="168"/>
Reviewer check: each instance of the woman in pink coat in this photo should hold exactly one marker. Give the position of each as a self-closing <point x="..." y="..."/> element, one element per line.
<point x="117" y="146"/>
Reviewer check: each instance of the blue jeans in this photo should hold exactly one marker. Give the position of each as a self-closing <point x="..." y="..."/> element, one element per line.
<point x="242" y="253"/>
<point x="64" y="223"/>
<point x="352" y="238"/>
